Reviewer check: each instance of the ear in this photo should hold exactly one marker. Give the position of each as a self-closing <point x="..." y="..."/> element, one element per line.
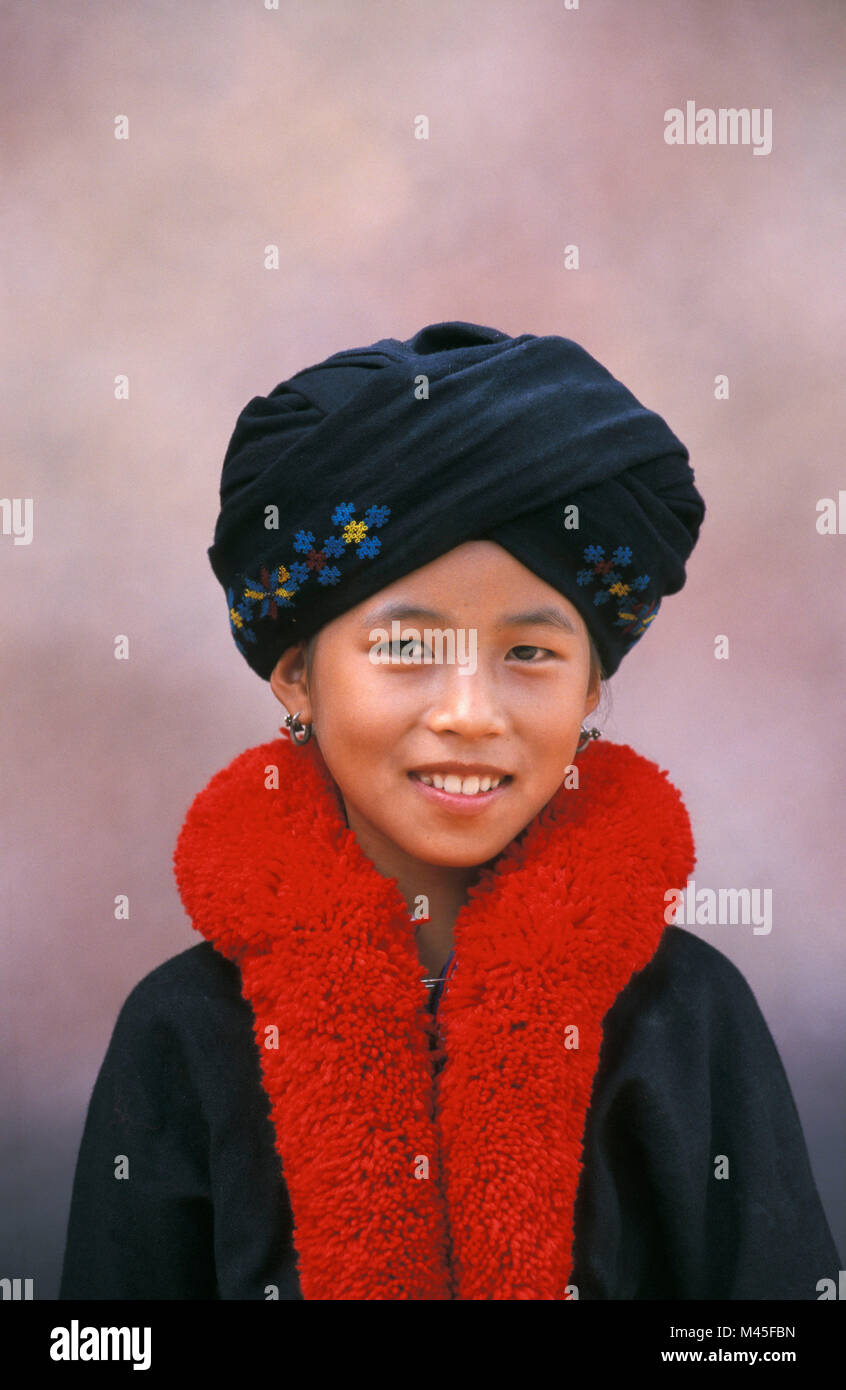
<point x="594" y="693"/>
<point x="289" y="683"/>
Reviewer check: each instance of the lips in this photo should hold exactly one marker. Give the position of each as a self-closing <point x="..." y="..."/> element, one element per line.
<point x="460" y="801"/>
<point x="459" y="770"/>
<point x="467" y="783"/>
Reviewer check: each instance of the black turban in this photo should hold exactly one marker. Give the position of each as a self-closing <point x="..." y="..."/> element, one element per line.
<point x="359" y="470"/>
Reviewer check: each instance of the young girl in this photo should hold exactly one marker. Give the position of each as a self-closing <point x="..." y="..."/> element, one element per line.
<point x="442" y="1040"/>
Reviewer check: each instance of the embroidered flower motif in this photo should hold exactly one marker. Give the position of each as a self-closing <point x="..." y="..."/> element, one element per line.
<point x="237" y="614"/>
<point x="251" y="599"/>
<point x="355" y="531"/>
<point x="268" y="589"/>
<point x="637" y="613"/>
<point x="632" y="614"/>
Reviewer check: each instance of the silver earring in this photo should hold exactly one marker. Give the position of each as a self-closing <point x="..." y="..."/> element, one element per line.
<point x="587" y="735"/>
<point x="298" y="733"/>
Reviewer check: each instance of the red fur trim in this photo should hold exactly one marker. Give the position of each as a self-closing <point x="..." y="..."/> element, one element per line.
<point x="550" y="935"/>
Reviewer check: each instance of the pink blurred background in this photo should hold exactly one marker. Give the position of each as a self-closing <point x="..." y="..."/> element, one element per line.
<point x="145" y="256"/>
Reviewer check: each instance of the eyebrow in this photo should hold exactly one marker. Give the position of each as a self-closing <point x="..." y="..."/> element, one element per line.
<point x="547" y="616"/>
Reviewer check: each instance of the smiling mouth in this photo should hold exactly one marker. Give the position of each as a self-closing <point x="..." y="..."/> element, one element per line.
<point x="478" y="788"/>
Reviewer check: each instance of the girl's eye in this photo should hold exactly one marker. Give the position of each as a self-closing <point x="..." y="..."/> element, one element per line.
<point x="410" y="646"/>
<point x="413" y="647"/>
<point x="524" y="648"/>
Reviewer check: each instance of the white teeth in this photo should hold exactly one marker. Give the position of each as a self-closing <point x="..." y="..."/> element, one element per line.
<point x="454" y="784"/>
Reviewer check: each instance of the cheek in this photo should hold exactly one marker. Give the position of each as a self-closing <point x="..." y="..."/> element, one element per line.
<point x="358" y="740"/>
<point x="379" y="703"/>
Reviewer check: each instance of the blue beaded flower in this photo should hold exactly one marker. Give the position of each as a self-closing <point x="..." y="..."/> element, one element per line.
<point x="632" y="613"/>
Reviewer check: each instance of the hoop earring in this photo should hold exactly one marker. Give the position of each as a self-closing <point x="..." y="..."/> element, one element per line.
<point x="297" y="733"/>
<point x="587" y="735"/>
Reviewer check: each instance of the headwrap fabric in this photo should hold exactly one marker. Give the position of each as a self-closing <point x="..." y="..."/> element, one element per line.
<point x="381" y="459"/>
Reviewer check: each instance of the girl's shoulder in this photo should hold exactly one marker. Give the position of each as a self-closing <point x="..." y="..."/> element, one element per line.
<point x="690" y="1001"/>
<point x="686" y="973"/>
<point x="191" y="1002"/>
<point x="199" y="970"/>
<point x="686" y="962"/>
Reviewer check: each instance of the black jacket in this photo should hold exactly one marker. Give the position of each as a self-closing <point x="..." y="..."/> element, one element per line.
<point x="688" y="1072"/>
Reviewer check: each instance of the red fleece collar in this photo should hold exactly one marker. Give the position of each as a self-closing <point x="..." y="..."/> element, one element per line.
<point x="405" y="1185"/>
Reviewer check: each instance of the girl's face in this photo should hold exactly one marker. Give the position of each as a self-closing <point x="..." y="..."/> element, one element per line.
<point x="516" y="710"/>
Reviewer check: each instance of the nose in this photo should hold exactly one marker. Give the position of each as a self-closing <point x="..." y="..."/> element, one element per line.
<point x="467" y="704"/>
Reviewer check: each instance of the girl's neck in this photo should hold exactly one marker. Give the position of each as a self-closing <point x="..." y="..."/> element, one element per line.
<point x="445" y="897"/>
<point x="442" y="888"/>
